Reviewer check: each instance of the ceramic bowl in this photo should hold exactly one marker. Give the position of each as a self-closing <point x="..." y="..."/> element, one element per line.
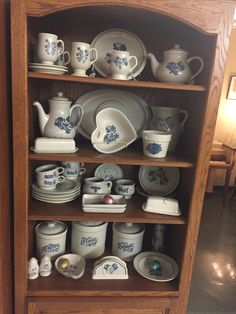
<point x="155" y="143"/>
<point x="76" y="266"/>
<point x="113" y="131"/>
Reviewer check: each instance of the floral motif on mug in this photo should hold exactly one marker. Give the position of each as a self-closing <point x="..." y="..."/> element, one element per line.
<point x="50" y="47"/>
<point x="64" y="124"/>
<point x="154" y="148"/>
<point x="95" y="188"/>
<point x="158" y="175"/>
<point x="126" y="247"/>
<point x="116" y="46"/>
<point x="121" y="62"/>
<point x="89" y="241"/>
<point x="175" y="67"/>
<point x="51" y="248"/>
<point x="111" y="134"/>
<point x="82" y="55"/>
<point x="110" y="268"/>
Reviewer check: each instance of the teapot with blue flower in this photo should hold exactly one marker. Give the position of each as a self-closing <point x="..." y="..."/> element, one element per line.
<point x="59" y="122"/>
<point x="175" y="66"/>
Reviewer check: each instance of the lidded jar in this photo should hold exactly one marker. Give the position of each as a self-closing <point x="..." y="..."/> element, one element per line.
<point x="127" y="239"/>
<point x="50" y="238"/>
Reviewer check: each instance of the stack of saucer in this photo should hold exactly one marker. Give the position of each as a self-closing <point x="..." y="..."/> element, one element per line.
<point x="48" y="68"/>
<point x="63" y="193"/>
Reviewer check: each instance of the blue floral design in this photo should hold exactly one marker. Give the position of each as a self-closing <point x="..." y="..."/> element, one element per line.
<point x="175" y="67"/>
<point x="116" y="46"/>
<point x="110" y="268"/>
<point x="111" y="134"/>
<point x="121" y="62"/>
<point x="158" y="175"/>
<point x="154" y="148"/>
<point x="82" y="55"/>
<point x="50" y="47"/>
<point x="64" y="124"/>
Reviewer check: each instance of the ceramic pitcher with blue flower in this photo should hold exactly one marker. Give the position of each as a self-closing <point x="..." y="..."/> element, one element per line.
<point x="59" y="122"/>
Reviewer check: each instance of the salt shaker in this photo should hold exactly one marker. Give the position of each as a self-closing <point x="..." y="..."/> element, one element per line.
<point x="158" y="237"/>
<point x="33" y="268"/>
<point x="45" y="266"/>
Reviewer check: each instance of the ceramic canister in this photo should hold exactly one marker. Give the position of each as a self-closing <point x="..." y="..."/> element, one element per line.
<point x="50" y="238"/>
<point x="127" y="239"/>
<point x="88" y="238"/>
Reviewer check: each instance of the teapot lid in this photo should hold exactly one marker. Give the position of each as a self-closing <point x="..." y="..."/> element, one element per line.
<point x="129" y="227"/>
<point x="60" y="97"/>
<point x="50" y="227"/>
<point x="176" y="49"/>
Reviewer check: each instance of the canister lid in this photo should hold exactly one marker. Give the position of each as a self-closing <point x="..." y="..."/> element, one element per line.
<point x="129" y="227"/>
<point x="51" y="227"/>
<point x="89" y="223"/>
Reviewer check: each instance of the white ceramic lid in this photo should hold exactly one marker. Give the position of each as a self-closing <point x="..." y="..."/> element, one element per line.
<point x="60" y="97"/>
<point x="89" y="223"/>
<point x="176" y="49"/>
<point x="50" y="227"/>
<point x="129" y="227"/>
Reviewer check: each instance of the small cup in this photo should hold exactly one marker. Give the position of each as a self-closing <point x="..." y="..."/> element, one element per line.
<point x="125" y="187"/>
<point x="82" y="57"/>
<point x="73" y="169"/>
<point x="48" y="176"/>
<point x="94" y="185"/>
<point x="120" y="64"/>
<point x="155" y="143"/>
<point x="64" y="59"/>
<point x="49" y="48"/>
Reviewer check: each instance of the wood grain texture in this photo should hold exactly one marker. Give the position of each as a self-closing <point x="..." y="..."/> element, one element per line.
<point x="6" y="204"/>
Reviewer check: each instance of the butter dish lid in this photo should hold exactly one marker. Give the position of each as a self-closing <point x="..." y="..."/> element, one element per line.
<point x="162" y="205"/>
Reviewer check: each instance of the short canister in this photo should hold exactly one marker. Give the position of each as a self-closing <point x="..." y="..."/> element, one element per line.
<point x="127" y="239"/>
<point x="50" y="238"/>
<point x="88" y="238"/>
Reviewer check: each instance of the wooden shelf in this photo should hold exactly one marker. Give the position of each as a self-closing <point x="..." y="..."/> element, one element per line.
<point x="72" y="211"/>
<point x="130" y="156"/>
<point x="135" y="285"/>
<point x="106" y="81"/>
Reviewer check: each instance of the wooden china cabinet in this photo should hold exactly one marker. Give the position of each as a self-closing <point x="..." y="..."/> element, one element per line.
<point x="202" y="28"/>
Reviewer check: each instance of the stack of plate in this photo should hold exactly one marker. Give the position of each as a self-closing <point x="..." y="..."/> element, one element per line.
<point x="48" y="68"/>
<point x="93" y="203"/>
<point x="63" y="193"/>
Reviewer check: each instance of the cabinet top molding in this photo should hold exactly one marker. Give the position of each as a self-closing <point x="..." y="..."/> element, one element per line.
<point x="207" y="16"/>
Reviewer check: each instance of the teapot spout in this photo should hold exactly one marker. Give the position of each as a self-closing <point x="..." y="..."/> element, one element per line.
<point x="43" y="117"/>
<point x="154" y="64"/>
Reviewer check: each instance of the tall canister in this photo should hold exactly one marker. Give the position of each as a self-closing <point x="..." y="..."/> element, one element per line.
<point x="127" y="239"/>
<point x="88" y="238"/>
<point x="50" y="238"/>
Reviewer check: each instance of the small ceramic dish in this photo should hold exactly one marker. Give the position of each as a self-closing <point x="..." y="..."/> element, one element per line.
<point x="113" y="131"/>
<point x="75" y="268"/>
<point x="94" y="204"/>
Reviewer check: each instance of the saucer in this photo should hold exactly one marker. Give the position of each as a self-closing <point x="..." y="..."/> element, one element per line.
<point x="47" y="68"/>
<point x="109" y="172"/>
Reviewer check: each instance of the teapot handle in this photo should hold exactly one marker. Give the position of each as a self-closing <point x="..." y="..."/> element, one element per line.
<point x="199" y="70"/>
<point x="185" y="114"/>
<point x="79" y="115"/>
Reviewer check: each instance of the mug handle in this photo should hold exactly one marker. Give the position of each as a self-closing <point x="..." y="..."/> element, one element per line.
<point x="93" y="52"/>
<point x="82" y="171"/>
<point x="185" y="113"/>
<point x="60" y="179"/>
<point x="60" y="48"/>
<point x="66" y="53"/>
<point x="109" y="184"/>
<point x="199" y="70"/>
<point x="60" y="170"/>
<point x="135" y="63"/>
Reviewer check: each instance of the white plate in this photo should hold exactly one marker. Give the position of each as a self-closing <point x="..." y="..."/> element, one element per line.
<point x="109" y="172"/>
<point x="59" y="196"/>
<point x="159" y="181"/>
<point x="113" y="132"/>
<point x="55" y="201"/>
<point x="51" y="69"/>
<point x="134" y="107"/>
<point x="118" y="39"/>
<point x="64" y="188"/>
<point x="169" y="268"/>
<point x="76" y="268"/>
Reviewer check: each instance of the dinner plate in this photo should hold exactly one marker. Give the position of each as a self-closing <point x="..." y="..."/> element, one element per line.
<point x="168" y="271"/>
<point x="159" y="181"/>
<point x="47" y="68"/>
<point x="55" y="201"/>
<point x="65" y="188"/>
<point x="134" y="107"/>
<point x="109" y="172"/>
<point x="118" y="39"/>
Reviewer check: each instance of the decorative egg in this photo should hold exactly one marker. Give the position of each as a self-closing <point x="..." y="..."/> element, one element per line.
<point x="155" y="268"/>
<point x="63" y="263"/>
<point x="108" y="199"/>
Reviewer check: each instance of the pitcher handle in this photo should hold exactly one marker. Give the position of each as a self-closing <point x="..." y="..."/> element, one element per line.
<point x="81" y="113"/>
<point x="135" y="64"/>
<point x="93" y="51"/>
<point x="199" y="70"/>
<point x="185" y="113"/>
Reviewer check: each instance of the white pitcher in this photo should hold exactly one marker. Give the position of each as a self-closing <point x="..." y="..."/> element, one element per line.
<point x="171" y="120"/>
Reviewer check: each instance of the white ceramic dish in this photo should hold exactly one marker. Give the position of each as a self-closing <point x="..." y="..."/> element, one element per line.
<point x="51" y="69"/>
<point x="54" y="145"/>
<point x="76" y="267"/>
<point x="110" y="267"/>
<point x="113" y="132"/>
<point x="109" y="172"/>
<point x="162" y="205"/>
<point x="159" y="181"/>
<point x="65" y="188"/>
<point x="134" y="107"/>
<point x="55" y="201"/>
<point x="169" y="268"/>
<point x="92" y="203"/>
<point x="118" y="39"/>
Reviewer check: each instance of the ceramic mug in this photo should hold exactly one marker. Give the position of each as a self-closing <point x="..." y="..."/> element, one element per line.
<point x="120" y="64"/>
<point x="49" y="48"/>
<point x="155" y="143"/>
<point x="82" y="57"/>
<point x="73" y="169"/>
<point x="64" y="59"/>
<point x="125" y="187"/>
<point x="94" y="185"/>
<point x="48" y="176"/>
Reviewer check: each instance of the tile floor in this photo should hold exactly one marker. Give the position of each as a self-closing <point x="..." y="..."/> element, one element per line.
<point x="213" y="289"/>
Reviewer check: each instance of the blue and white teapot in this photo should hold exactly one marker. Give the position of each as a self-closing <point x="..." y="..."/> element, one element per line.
<point x="175" y="66"/>
<point x="59" y="123"/>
